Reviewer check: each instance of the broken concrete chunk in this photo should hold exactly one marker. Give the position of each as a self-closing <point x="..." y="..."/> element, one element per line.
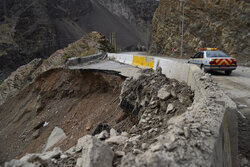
<point x="137" y="151"/>
<point x="113" y="132"/>
<point x="95" y="153"/>
<point x="156" y="147"/>
<point x="170" y="108"/>
<point x="125" y="134"/>
<point x="57" y="135"/>
<point x="119" y="153"/>
<point x="163" y="94"/>
<point x="144" y="146"/>
<point x="103" y="135"/>
<point x="117" y="140"/>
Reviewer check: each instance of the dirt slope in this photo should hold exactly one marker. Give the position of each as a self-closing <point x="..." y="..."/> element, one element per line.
<point x="73" y="100"/>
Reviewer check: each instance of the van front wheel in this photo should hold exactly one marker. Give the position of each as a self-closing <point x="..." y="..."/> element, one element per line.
<point x="203" y="69"/>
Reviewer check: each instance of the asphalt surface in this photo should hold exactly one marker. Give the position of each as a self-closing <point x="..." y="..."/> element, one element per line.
<point x="124" y="69"/>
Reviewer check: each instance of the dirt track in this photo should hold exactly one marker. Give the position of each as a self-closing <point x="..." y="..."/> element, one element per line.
<point x="237" y="86"/>
<point x="73" y="100"/>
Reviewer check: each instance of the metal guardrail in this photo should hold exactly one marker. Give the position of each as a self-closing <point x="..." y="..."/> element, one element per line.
<point x="80" y="60"/>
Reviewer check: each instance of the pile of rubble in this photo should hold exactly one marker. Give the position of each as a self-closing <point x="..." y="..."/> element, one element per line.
<point x="151" y="100"/>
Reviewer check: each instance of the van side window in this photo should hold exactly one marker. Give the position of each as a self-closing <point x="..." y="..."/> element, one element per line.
<point x="197" y="55"/>
<point x="201" y="55"/>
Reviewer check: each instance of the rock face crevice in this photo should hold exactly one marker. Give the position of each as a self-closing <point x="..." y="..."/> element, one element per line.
<point x="223" y="24"/>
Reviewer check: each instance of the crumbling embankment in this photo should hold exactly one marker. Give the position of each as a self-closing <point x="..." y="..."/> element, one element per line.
<point x="73" y="100"/>
<point x="148" y="100"/>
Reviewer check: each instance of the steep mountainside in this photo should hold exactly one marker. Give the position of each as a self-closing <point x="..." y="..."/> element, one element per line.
<point x="91" y="43"/>
<point x="36" y="28"/>
<point x="222" y="23"/>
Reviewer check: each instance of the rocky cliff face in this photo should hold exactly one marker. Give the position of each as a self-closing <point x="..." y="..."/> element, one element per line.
<point x="36" y="28"/>
<point x="139" y="13"/>
<point x="223" y="24"/>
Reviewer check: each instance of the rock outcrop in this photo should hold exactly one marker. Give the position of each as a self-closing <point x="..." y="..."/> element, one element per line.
<point x="223" y="24"/>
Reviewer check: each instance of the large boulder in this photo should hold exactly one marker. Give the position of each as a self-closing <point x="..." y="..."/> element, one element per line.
<point x="55" y="137"/>
<point x="95" y="153"/>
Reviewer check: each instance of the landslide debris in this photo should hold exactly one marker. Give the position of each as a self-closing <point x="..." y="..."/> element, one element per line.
<point x="76" y="101"/>
<point x="223" y="24"/>
<point x="91" y="43"/>
<point x="147" y="102"/>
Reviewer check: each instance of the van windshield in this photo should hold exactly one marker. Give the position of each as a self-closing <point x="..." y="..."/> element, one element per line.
<point x="216" y="54"/>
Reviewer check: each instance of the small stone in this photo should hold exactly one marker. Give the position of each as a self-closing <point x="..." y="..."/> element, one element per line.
<point x="88" y="128"/>
<point x="113" y="132"/>
<point x="134" y="129"/>
<point x="146" y="127"/>
<point x="242" y="106"/>
<point x="125" y="134"/>
<point x="54" y="161"/>
<point x="195" y="125"/>
<point x="120" y="153"/>
<point x="137" y="151"/>
<point x="170" y="108"/>
<point x="181" y="98"/>
<point x="45" y="124"/>
<point x="71" y="151"/>
<point x="63" y="156"/>
<point x="163" y="94"/>
<point x="151" y="130"/>
<point x="103" y="135"/>
<point x="117" y="140"/>
<point x="173" y="93"/>
<point x="36" y="134"/>
<point x="142" y="121"/>
<point x="156" y="147"/>
<point x="174" y="84"/>
<point x="144" y="146"/>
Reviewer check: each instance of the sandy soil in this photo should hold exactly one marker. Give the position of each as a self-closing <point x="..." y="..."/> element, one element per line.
<point x="74" y="100"/>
